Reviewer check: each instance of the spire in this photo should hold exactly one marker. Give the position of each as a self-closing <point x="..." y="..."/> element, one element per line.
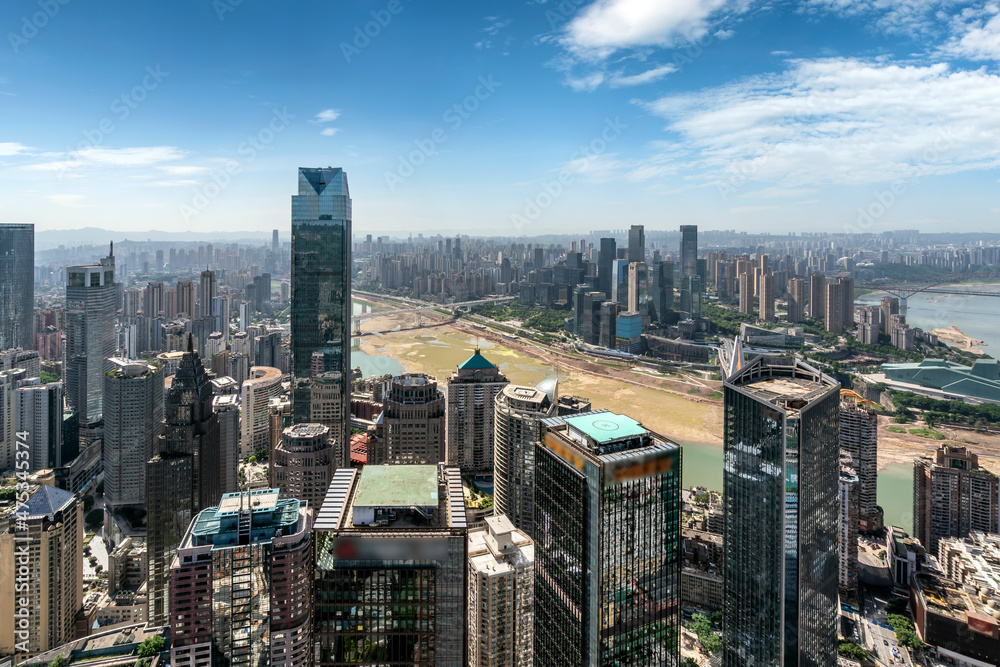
<point x="111" y="252"/>
<point x="190" y="342"/>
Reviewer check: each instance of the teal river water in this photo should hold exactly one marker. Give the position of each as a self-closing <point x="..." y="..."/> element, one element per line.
<point x="702" y="463"/>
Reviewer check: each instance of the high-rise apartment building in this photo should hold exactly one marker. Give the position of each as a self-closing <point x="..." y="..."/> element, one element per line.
<point x="501" y="595"/>
<point x="413" y="422"/>
<point x="186" y="299"/>
<point x="208" y="292"/>
<point x="133" y="396"/>
<point x="227" y="410"/>
<point x="847" y="543"/>
<point x="869" y="324"/>
<point x="302" y="463"/>
<point x="768" y="297"/>
<point x="817" y="295"/>
<point x="41" y="590"/>
<point x="90" y="335"/>
<point x="184" y="476"/>
<point x="519" y="414"/>
<point x="780" y="483"/>
<point x="470" y="402"/>
<point x="38" y="409"/>
<point x="840" y="305"/>
<point x="607" y="543"/>
<point x="689" y="250"/>
<point x="10" y="380"/>
<point x="263" y="384"/>
<point x="17" y="285"/>
<point x="321" y="294"/>
<point x="952" y="497"/>
<point x="746" y="293"/>
<point x="390" y="568"/>
<point x="637" y="244"/>
<point x="796" y="300"/>
<point x="859" y="439"/>
<point x="890" y="307"/>
<point x="605" y="260"/>
<point x="240" y="584"/>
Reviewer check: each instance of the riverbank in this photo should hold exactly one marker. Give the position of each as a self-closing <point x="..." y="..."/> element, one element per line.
<point x="904" y="447"/>
<point x="954" y="336"/>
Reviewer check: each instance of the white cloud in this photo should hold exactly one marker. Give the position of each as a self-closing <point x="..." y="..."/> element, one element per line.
<point x="909" y="17"/>
<point x="173" y="183"/>
<point x="586" y="83"/>
<point x="496" y="25"/>
<point x="654" y="74"/>
<point x="724" y="34"/>
<point x="71" y="201"/>
<point x="9" y="148"/>
<point x="108" y="157"/>
<point x="841" y="121"/>
<point x="328" y="115"/>
<point x="182" y="169"/>
<point x="330" y="131"/>
<point x="979" y="40"/>
<point x="781" y="54"/>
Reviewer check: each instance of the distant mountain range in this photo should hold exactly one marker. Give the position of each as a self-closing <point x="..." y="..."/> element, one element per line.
<point x="54" y="238"/>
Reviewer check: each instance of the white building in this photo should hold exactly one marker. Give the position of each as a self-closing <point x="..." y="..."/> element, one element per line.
<point x="255" y="428"/>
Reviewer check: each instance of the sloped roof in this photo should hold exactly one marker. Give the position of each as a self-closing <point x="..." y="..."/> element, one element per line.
<point x="475" y="362"/>
<point x="48" y="500"/>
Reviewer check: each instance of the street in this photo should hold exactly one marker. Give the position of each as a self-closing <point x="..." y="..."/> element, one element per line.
<point x="877" y="637"/>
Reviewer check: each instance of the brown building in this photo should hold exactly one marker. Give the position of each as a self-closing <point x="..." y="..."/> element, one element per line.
<point x="303" y="463"/>
<point x="413" y="422"/>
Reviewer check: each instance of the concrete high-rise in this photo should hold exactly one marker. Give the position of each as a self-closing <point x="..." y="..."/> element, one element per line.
<point x="42" y="545"/>
<point x="263" y="384"/>
<point x="501" y="595"/>
<point x="10" y="380"/>
<point x="133" y="395"/>
<point x="39" y="418"/>
<point x="847" y="544"/>
<point x="90" y="335"/>
<point x="605" y="259"/>
<point x="840" y="305"/>
<point x="208" y="291"/>
<point x="17" y="285"/>
<point x="413" y="422"/>
<point x="519" y="414"/>
<point x="321" y="294"/>
<point x="470" y="402"/>
<point x="780" y="484"/>
<point x="767" y="298"/>
<point x="859" y="439"/>
<point x="890" y="307"/>
<point x="796" y="300"/>
<point x="746" y="294"/>
<point x="869" y="324"/>
<point x="240" y="584"/>
<point x="302" y="463"/>
<point x="607" y="543"/>
<point x="619" y="282"/>
<point x="952" y="497"/>
<point x="184" y="476"/>
<point x="637" y="244"/>
<point x="689" y="250"/>
<point x="638" y="289"/>
<point x="389" y="584"/>
<point x="817" y="295"/>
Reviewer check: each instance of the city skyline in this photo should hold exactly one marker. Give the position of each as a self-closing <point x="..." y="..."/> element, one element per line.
<point x="839" y="115"/>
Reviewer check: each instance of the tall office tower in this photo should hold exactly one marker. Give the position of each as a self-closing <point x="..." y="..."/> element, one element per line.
<point x="780" y="477"/>
<point x="538" y="258"/>
<point x="952" y="496"/>
<point x="209" y="290"/>
<point x="263" y="384"/>
<point x="267" y="349"/>
<point x="321" y="294"/>
<point x="689" y="250"/>
<point x="501" y="595"/>
<point x="661" y="301"/>
<point x="133" y="395"/>
<point x="10" y="380"/>
<point x="470" y="407"/>
<point x="579" y="308"/>
<point x="90" y="335"/>
<point x="605" y="267"/>
<point x="227" y="409"/>
<point x="636" y="244"/>
<point x="817" y="295"/>
<point x="859" y="438"/>
<point x="869" y="324"/>
<point x="390" y="568"/>
<point x="607" y="543"/>
<point x="184" y="476"/>
<point x="186" y="299"/>
<point x="608" y="335"/>
<point x="890" y="307"/>
<point x="413" y="419"/>
<point x="690" y="300"/>
<point x="591" y="314"/>
<point x="17" y="285"/>
<point x="520" y="411"/>
<point x="38" y="410"/>
<point x="240" y="584"/>
<point x="302" y="464"/>
<point x="847" y="549"/>
<point x="274" y="240"/>
<point x="746" y="294"/>
<point x="796" y="300"/>
<point x="638" y="289"/>
<point x="326" y="405"/>
<point x="767" y="298"/>
<point x="619" y="282"/>
<point x="246" y="310"/>
<point x="49" y="576"/>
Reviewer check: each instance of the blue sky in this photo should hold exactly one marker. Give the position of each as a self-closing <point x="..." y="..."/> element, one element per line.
<point x="510" y="118"/>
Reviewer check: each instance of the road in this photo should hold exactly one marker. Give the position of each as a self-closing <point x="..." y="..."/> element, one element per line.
<point x="877" y="637"/>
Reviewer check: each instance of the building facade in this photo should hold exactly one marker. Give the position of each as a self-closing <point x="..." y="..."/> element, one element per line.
<point x="470" y="400"/>
<point x="39" y="415"/>
<point x="413" y="422"/>
<point x="847" y="544"/>
<point x="302" y="464"/>
<point x="90" y="335"/>
<point x="263" y="384"/>
<point x="859" y="439"/>
<point x="17" y="285"/>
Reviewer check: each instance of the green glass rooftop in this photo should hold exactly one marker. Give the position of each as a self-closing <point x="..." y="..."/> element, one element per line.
<point x="602" y="427"/>
<point x="397" y="486"/>
<point x="475" y="362"/>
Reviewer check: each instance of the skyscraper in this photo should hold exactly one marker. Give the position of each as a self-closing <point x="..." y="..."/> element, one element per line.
<point x="184" y="476"/>
<point x="638" y="289"/>
<point x="796" y="300"/>
<point x="869" y="324"/>
<point x="767" y="298"/>
<point x="689" y="250"/>
<point x="859" y="439"/>
<point x="413" y="422"/>
<point x="17" y="285"/>
<point x="519" y="414"/>
<point x="470" y="404"/>
<point x="780" y="484"/>
<point x="209" y="290"/>
<point x="39" y="411"/>
<point x="605" y="258"/>
<point x="133" y="395"/>
<point x="607" y="543"/>
<point x="302" y="463"/>
<point x="274" y="240"/>
<point x="90" y="335"/>
<point x="952" y="496"/>
<point x="847" y="549"/>
<point x="637" y="244"/>
<point x="321" y="293"/>
<point x="240" y="584"/>
<point x="890" y="307"/>
<point x="817" y="295"/>
<point x="661" y="293"/>
<point x="263" y="384"/>
<point x="840" y="305"/>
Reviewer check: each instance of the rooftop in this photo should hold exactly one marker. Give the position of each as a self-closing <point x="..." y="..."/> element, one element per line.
<point x="786" y="383"/>
<point x="397" y="486"/>
<point x="476" y="361"/>
<point x="605" y="427"/>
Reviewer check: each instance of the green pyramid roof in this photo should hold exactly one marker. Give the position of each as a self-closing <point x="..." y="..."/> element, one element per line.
<point x="476" y="361"/>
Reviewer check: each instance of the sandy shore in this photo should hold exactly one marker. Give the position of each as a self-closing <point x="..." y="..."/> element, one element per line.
<point x="954" y="336"/>
<point x="904" y="447"/>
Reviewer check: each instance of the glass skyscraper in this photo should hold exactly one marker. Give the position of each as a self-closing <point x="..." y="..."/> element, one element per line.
<point x="321" y="295"/>
<point x="689" y="250"/>
<point x="17" y="285"/>
<point x="90" y="335"/>
<point x="780" y="487"/>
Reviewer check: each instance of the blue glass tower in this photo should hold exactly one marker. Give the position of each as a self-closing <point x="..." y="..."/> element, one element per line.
<point x="17" y="285"/>
<point x="321" y="300"/>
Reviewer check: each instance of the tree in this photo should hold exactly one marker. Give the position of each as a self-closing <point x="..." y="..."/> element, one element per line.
<point x="59" y="661"/>
<point x="94" y="517"/>
<point x="852" y="650"/>
<point x="151" y="646"/>
<point x="252" y="459"/>
<point x="701" y="626"/>
<point x="717" y="618"/>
